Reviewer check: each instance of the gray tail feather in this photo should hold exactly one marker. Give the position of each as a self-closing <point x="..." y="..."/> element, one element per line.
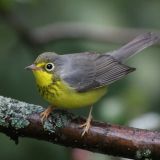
<point x="136" y="45"/>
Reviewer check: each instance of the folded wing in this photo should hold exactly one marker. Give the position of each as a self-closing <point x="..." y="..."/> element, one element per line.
<point x="87" y="71"/>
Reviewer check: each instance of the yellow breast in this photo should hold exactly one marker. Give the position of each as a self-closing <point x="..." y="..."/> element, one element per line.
<point x="61" y="95"/>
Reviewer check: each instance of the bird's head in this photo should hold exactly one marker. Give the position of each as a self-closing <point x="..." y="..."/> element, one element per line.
<point x="44" y="68"/>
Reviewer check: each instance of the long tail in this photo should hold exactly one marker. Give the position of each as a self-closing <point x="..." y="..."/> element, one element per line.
<point x="136" y="45"/>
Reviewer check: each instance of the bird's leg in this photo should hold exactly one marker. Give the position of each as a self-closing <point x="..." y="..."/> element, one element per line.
<point x="44" y="115"/>
<point x="86" y="126"/>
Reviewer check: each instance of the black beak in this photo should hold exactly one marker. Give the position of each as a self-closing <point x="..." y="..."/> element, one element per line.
<point x="32" y="67"/>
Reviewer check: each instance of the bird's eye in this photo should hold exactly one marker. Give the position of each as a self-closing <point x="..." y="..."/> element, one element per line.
<point x="49" y="67"/>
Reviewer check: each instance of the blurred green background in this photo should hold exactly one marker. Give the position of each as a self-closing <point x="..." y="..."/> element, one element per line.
<point x="127" y="99"/>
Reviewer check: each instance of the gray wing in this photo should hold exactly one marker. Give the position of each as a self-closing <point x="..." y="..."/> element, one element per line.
<point x="85" y="71"/>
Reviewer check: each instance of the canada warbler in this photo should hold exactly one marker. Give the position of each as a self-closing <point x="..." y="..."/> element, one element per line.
<point x="81" y="79"/>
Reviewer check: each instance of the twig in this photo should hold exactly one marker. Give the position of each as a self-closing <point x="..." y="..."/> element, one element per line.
<point x="20" y="119"/>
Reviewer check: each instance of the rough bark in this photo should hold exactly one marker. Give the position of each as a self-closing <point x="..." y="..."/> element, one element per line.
<point x="20" y="119"/>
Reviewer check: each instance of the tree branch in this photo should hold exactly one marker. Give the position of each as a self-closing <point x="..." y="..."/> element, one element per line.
<point x="60" y="31"/>
<point x="20" y="119"/>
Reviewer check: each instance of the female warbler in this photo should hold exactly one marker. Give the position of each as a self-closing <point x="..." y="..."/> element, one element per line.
<point x="80" y="79"/>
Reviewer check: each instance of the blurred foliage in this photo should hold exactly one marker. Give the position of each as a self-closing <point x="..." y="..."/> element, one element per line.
<point x="136" y="94"/>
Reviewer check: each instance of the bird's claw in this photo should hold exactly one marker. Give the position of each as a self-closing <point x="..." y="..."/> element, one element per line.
<point x="86" y="126"/>
<point x="45" y="114"/>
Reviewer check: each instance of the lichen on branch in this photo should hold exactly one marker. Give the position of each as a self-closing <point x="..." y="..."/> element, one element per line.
<point x="20" y="119"/>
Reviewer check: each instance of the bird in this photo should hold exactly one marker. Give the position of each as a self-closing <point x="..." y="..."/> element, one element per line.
<point x="78" y="80"/>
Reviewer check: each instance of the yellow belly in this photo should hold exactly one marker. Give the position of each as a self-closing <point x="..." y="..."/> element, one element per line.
<point x="63" y="97"/>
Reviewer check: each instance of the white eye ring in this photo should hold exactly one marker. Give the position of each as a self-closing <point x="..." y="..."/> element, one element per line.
<point x="49" y="67"/>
